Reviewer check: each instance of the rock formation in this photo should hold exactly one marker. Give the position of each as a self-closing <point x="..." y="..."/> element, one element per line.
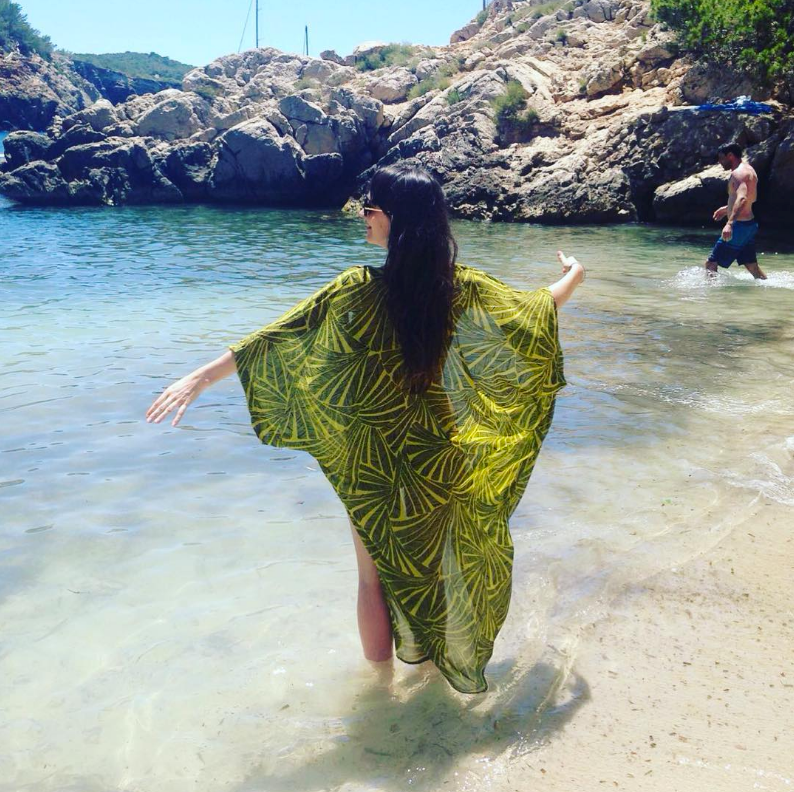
<point x="33" y="91"/>
<point x="612" y="133"/>
<point x="113" y="85"/>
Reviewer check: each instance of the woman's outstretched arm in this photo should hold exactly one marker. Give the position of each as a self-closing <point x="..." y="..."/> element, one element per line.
<point x="179" y="395"/>
<point x="573" y="275"/>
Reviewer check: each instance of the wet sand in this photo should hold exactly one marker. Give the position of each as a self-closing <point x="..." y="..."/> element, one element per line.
<point x="690" y="678"/>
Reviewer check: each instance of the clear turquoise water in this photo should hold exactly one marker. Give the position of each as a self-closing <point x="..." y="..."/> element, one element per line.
<point x="3" y="136"/>
<point x="178" y="605"/>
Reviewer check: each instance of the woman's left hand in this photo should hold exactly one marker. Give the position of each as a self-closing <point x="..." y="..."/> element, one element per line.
<point x="177" y="397"/>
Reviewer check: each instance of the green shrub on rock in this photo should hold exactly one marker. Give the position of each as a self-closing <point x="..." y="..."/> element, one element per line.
<point x="207" y="92"/>
<point x="514" y="121"/>
<point x="757" y="35"/>
<point x="441" y="80"/>
<point x="511" y="102"/>
<point x="305" y="83"/>
<point x="432" y="83"/>
<point x="390" y="55"/>
<point x="454" y="97"/>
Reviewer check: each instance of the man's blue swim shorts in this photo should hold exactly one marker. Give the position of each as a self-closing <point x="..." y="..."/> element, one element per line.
<point x="740" y="247"/>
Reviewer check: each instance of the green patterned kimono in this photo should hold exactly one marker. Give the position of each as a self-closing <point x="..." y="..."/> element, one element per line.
<point x="430" y="480"/>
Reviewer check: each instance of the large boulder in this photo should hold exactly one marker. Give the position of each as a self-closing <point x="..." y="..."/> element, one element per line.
<point x="77" y="135"/>
<point x="367" y="48"/>
<point x="393" y="86"/>
<point x="312" y="128"/>
<point x="317" y="139"/>
<point x="35" y="183"/>
<point x="323" y="70"/>
<point x="332" y="57"/>
<point x="297" y="109"/>
<point x="188" y="166"/>
<point x="369" y="110"/>
<point x="597" y="10"/>
<point x="427" y="67"/>
<point x="255" y="163"/>
<point x="571" y="189"/>
<point x="706" y="82"/>
<point x="172" y="118"/>
<point x="226" y="121"/>
<point x="278" y="77"/>
<point x="465" y="33"/>
<point x="116" y="172"/>
<point x="603" y="78"/>
<point x="692" y="199"/>
<point x="24" y="147"/>
<point x="98" y="116"/>
<point x="199" y="82"/>
<point x="136" y="106"/>
<point x="543" y="25"/>
<point x="780" y="198"/>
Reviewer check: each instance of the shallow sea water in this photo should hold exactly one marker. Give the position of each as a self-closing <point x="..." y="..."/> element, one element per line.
<point x="177" y="606"/>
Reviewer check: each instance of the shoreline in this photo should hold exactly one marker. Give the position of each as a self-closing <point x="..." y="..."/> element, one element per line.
<point x="675" y="702"/>
<point x="771" y="231"/>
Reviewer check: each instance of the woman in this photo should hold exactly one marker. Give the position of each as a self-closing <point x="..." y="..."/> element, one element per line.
<point x="424" y="390"/>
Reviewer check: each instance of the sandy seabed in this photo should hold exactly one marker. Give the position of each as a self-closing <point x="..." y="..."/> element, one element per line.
<point x="690" y="679"/>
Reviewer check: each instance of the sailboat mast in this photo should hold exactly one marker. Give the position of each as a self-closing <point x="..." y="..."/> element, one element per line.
<point x="257" y="24"/>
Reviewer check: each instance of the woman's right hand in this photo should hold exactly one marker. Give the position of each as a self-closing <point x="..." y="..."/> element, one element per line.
<point x="177" y="397"/>
<point x="570" y="263"/>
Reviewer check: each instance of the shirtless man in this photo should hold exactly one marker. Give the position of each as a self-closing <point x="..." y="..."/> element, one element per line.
<point x="738" y="236"/>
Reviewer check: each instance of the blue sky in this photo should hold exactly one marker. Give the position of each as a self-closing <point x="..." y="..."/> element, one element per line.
<point x="198" y="31"/>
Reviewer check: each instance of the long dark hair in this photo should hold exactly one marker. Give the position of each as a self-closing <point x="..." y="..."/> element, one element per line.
<point x="420" y="268"/>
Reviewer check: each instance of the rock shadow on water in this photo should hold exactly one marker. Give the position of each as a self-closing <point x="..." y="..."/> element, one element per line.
<point x="423" y="737"/>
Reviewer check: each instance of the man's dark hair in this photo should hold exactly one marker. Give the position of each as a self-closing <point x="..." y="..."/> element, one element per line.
<point x="731" y="148"/>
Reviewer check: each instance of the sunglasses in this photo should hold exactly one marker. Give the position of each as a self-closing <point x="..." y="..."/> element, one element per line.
<point x="370" y="210"/>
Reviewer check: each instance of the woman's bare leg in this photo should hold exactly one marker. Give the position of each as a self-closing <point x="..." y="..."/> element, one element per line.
<point x="374" y="624"/>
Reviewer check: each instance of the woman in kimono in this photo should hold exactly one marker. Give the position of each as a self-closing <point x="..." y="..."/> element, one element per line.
<point x="424" y="390"/>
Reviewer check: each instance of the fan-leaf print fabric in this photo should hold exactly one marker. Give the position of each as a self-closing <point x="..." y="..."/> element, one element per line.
<point x="429" y="481"/>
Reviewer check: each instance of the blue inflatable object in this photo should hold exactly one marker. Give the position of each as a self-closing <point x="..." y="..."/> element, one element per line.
<point x="741" y="104"/>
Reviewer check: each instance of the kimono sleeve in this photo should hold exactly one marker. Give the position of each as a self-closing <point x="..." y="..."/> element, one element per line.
<point x="274" y="367"/>
<point x="528" y="322"/>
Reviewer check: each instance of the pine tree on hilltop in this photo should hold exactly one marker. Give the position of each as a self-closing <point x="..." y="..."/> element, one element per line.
<point x="16" y="32"/>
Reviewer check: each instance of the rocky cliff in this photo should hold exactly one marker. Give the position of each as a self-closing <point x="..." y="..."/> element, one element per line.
<point x="114" y="85"/>
<point x="34" y="91"/>
<point x="610" y="130"/>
